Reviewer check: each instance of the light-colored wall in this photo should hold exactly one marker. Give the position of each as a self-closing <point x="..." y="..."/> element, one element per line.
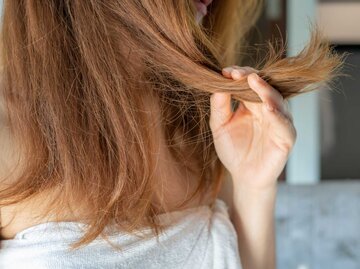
<point x="340" y="21"/>
<point x="304" y="163"/>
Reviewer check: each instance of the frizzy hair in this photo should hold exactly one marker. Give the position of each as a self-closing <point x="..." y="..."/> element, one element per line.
<point x="75" y="98"/>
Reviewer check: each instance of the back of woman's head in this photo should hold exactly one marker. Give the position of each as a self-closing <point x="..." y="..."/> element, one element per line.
<point x="77" y="76"/>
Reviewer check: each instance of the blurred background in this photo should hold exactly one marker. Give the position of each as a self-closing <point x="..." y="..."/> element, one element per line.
<point x="318" y="205"/>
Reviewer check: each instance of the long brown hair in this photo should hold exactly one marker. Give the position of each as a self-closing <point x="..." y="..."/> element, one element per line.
<point x="77" y="76"/>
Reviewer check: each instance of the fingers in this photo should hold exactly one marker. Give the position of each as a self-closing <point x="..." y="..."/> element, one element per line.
<point x="237" y="73"/>
<point x="220" y="111"/>
<point x="276" y="110"/>
<point x="271" y="98"/>
<point x="283" y="127"/>
<point x="273" y="109"/>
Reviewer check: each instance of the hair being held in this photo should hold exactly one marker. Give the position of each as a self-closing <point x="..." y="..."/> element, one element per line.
<point x="77" y="76"/>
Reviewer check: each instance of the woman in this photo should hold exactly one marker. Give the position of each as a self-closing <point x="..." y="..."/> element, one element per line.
<point x="119" y="125"/>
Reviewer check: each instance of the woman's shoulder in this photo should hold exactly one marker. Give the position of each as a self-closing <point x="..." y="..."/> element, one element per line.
<point x="203" y="236"/>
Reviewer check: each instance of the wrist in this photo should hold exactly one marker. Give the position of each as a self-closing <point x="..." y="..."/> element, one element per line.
<point x="254" y="207"/>
<point x="255" y="186"/>
<point x="247" y="197"/>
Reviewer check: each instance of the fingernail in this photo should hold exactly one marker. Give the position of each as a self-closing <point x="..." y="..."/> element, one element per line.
<point x="227" y="69"/>
<point x="238" y="73"/>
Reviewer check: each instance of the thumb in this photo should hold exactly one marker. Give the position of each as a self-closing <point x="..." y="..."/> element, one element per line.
<point x="220" y="110"/>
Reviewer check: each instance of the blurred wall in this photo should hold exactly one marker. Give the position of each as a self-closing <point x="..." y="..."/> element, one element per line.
<point x="340" y="21"/>
<point x="304" y="162"/>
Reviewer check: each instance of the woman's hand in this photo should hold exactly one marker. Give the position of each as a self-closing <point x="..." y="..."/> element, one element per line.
<point x="253" y="142"/>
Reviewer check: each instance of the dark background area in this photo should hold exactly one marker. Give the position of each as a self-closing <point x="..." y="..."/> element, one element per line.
<point x="339" y="106"/>
<point x="342" y="159"/>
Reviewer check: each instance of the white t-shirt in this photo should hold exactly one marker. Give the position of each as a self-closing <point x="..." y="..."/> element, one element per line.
<point x="201" y="237"/>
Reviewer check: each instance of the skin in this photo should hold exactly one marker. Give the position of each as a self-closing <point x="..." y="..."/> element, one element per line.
<point x="16" y="218"/>
<point x="253" y="143"/>
<point x="201" y="6"/>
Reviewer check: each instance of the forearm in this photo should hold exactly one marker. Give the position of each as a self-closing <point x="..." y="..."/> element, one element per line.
<point x="253" y="218"/>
